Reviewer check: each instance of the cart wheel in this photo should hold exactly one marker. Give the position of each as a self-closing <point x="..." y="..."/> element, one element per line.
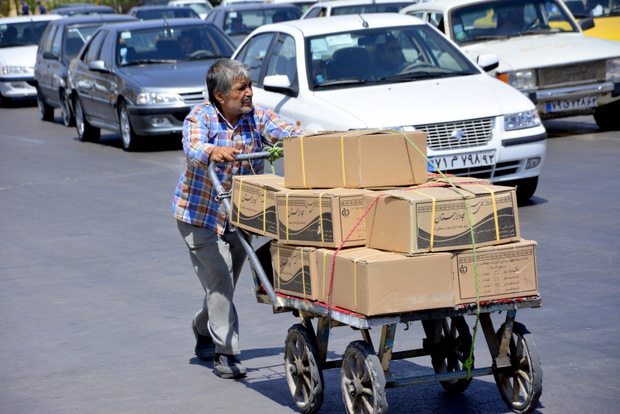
<point x="455" y="348"/>
<point x="303" y="369"/>
<point x="520" y="385"/>
<point x="362" y="380"/>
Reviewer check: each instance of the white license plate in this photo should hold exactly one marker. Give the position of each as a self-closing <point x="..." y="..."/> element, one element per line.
<point x="466" y="160"/>
<point x="570" y="104"/>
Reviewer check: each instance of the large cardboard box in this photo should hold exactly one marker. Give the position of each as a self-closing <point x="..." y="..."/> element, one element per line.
<point x="321" y="218"/>
<point x="505" y="271"/>
<point x="294" y="270"/>
<point x="253" y="203"/>
<point x="355" y="159"/>
<point x="374" y="282"/>
<point x="436" y="218"/>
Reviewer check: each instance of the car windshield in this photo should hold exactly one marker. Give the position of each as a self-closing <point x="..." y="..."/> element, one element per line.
<point x="21" y="34"/>
<point x="593" y="8"/>
<point x="369" y="8"/>
<point x="144" y="46"/>
<point x="170" y="13"/>
<point x="76" y="37"/>
<point x="243" y="22"/>
<point x="388" y="55"/>
<point x="508" y="18"/>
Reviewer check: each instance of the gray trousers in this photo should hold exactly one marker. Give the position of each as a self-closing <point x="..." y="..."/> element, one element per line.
<point x="217" y="260"/>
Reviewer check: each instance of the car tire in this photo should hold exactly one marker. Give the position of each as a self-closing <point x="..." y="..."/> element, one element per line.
<point x="4" y="101"/>
<point x="526" y="188"/>
<point x="67" y="114"/>
<point x="86" y="132"/>
<point x="606" y="116"/>
<point x="129" y="138"/>
<point x="46" y="112"/>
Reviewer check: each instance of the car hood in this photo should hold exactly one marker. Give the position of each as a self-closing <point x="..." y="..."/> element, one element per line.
<point x="544" y="50"/>
<point x="426" y="102"/>
<point x="19" y="55"/>
<point x="182" y="76"/>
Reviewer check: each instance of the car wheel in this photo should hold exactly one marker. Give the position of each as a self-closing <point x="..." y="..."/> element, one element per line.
<point x="86" y="132"/>
<point x="67" y="115"/>
<point x="4" y="101"/>
<point x="129" y="138"/>
<point x="606" y="116"/>
<point x="46" y="112"/>
<point x="526" y="189"/>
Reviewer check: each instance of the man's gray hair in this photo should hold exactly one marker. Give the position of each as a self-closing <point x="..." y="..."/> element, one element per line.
<point x="221" y="75"/>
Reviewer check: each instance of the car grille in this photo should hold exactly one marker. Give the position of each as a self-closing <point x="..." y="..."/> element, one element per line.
<point x="476" y="132"/>
<point x="193" y="98"/>
<point x="575" y="74"/>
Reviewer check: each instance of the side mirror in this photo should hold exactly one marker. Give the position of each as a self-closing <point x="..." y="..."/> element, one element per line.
<point x="279" y="84"/>
<point x="98" y="66"/>
<point x="488" y="61"/>
<point x="587" y="23"/>
<point x="50" y="55"/>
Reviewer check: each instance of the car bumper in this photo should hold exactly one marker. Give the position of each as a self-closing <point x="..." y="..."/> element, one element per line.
<point x="569" y="101"/>
<point x="160" y="120"/>
<point x="17" y="88"/>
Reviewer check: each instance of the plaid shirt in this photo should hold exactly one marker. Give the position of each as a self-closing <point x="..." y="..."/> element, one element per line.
<point x="205" y="128"/>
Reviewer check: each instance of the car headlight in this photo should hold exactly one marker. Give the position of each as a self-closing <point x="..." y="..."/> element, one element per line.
<point x="520" y="79"/>
<point x="612" y="69"/>
<point x="17" y="70"/>
<point x="158" y="98"/>
<point x="520" y="120"/>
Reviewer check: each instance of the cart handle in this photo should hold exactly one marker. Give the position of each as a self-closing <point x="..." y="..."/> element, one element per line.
<point x="224" y="196"/>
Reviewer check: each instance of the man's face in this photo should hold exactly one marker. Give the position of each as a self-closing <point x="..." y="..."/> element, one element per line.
<point x="239" y="99"/>
<point x="391" y="54"/>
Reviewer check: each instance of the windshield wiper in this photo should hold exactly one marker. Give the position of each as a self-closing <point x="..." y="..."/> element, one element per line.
<point x="200" y="57"/>
<point x="489" y="37"/>
<point x="409" y="76"/>
<point x="141" y="61"/>
<point x="343" y="81"/>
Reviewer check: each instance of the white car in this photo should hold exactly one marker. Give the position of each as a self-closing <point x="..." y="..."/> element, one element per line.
<point x="326" y="74"/>
<point x="19" y="39"/>
<point x="542" y="50"/>
<point x="339" y="7"/>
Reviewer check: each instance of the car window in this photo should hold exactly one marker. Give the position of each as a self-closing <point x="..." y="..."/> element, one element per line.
<point x="107" y="50"/>
<point x="370" y="56"/>
<point x="22" y="34"/>
<point x="507" y="18"/>
<point x="76" y="36"/>
<point x="254" y="52"/>
<point x="243" y="22"/>
<point x="436" y="19"/>
<point x="283" y="59"/>
<point x="48" y="36"/>
<point x="92" y="52"/>
<point x="316" y="12"/>
<point x="369" y="8"/>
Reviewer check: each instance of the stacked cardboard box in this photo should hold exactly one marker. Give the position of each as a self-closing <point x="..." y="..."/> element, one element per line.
<point x="401" y="248"/>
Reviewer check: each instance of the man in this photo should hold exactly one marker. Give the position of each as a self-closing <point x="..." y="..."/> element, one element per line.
<point x="391" y="60"/>
<point x="217" y="130"/>
<point x="186" y="43"/>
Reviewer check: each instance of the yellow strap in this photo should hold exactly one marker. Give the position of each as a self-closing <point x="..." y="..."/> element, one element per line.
<point x="355" y="275"/>
<point x="303" y="272"/>
<point x="264" y="209"/>
<point x="286" y="213"/>
<point x="279" y="268"/>
<point x="321" y="218"/>
<point x="324" y="273"/>
<point x="430" y="246"/>
<point x="303" y="164"/>
<point x="239" y="200"/>
<point x="494" y="210"/>
<point x="344" y="178"/>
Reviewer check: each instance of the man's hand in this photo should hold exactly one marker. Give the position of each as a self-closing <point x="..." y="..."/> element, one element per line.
<point x="221" y="154"/>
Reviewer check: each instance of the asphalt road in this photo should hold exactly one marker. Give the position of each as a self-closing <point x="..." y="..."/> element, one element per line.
<point x="97" y="291"/>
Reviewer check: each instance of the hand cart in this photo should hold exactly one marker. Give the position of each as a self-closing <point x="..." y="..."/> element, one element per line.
<point x="365" y="370"/>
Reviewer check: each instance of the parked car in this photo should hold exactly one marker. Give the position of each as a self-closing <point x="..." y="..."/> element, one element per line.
<point x="339" y="7"/>
<point x="302" y="4"/>
<point x="19" y="37"/>
<point x="605" y="15"/>
<point x="61" y="42"/>
<point x="543" y="53"/>
<point x="141" y="78"/>
<point x="202" y="7"/>
<point x="239" y="19"/>
<point x="162" y="12"/>
<point x="82" y="9"/>
<point x="391" y="71"/>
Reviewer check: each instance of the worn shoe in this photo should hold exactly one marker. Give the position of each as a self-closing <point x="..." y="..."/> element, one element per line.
<point x="228" y="367"/>
<point x="205" y="348"/>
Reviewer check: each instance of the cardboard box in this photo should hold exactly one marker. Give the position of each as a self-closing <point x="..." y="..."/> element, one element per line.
<point x="294" y="270"/>
<point x="505" y="271"/>
<point x="321" y="218"/>
<point x="355" y="159"/>
<point x="435" y="218"/>
<point x="253" y="203"/>
<point x="374" y="282"/>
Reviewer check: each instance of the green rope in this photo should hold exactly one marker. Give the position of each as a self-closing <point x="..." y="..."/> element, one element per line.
<point x="275" y="152"/>
<point x="470" y="359"/>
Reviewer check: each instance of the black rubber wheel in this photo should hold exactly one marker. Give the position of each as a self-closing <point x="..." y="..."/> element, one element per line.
<point x="362" y="380"/>
<point x="128" y="137"/>
<point x="520" y="385"/>
<point x="526" y="189"/>
<point x="46" y="111"/>
<point x="606" y="116"/>
<point x="65" y="107"/>
<point x="86" y="132"/>
<point x="303" y="372"/>
<point x="455" y="348"/>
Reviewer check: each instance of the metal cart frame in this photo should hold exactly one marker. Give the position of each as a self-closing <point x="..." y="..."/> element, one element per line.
<point x="365" y="370"/>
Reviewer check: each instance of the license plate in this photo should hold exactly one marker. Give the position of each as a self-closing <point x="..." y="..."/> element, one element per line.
<point x="570" y="104"/>
<point x="466" y="160"/>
